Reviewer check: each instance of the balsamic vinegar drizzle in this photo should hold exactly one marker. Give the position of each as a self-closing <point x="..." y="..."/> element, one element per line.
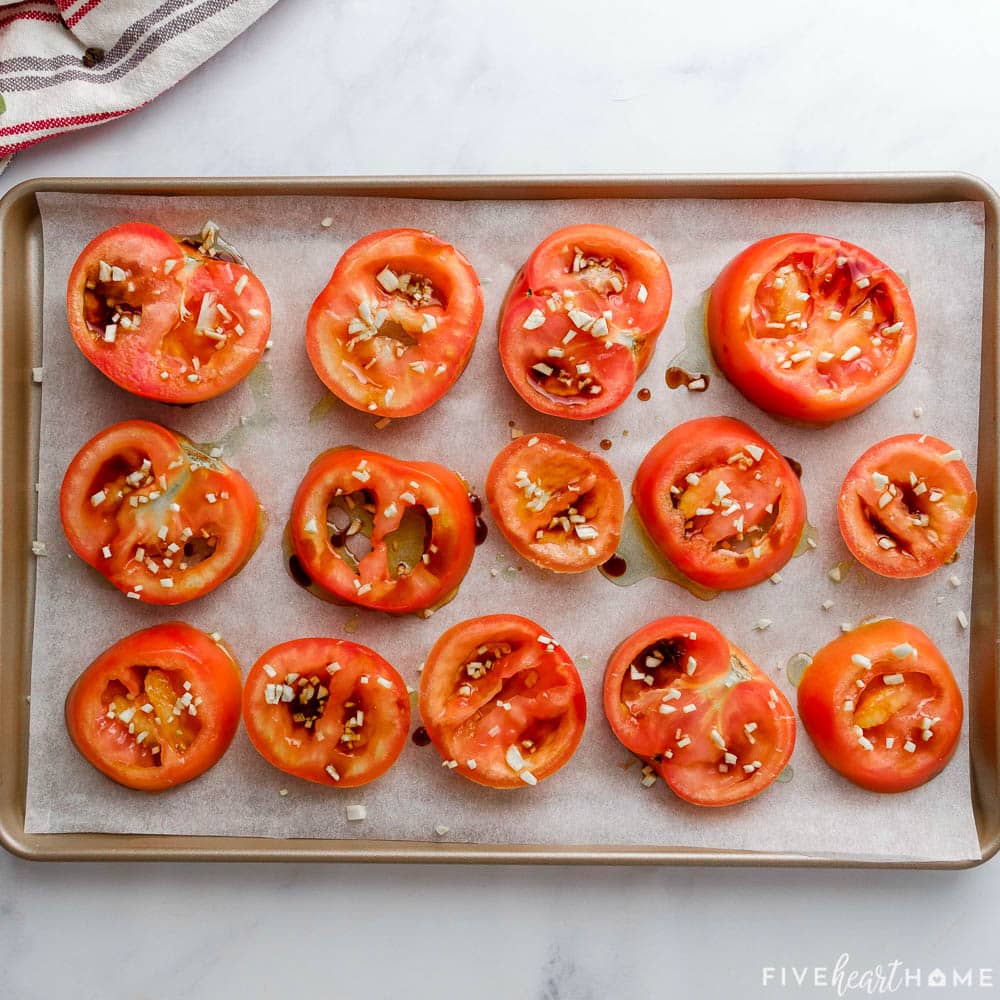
<point x="691" y="368"/>
<point x="299" y="574"/>
<point x="638" y="559"/>
<point x="615" y="567"/>
<point x="796" y="466"/>
<point x="482" y="528"/>
<point x="677" y="377"/>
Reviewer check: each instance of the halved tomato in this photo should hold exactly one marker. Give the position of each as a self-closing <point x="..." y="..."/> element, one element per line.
<point x="327" y="710"/>
<point x="882" y="707"/>
<point x="720" y="503"/>
<point x="164" y="318"/>
<point x="501" y="701"/>
<point x="906" y="504"/>
<point x="382" y="533"/>
<point x="678" y="694"/>
<point x="157" y="708"/>
<point x="558" y="504"/>
<point x="581" y="320"/>
<point x="811" y="327"/>
<point x="164" y="521"/>
<point x="395" y="326"/>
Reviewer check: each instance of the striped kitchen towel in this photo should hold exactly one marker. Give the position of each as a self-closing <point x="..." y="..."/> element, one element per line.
<point x="69" y="64"/>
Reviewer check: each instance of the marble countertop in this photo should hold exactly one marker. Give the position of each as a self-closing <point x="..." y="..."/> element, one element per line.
<point x="474" y="88"/>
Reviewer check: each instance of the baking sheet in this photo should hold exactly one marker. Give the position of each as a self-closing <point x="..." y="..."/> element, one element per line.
<point x="596" y="799"/>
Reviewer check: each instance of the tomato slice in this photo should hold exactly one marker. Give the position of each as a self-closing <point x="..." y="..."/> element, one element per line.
<point x="882" y="707"/>
<point x="326" y="710"/>
<point x="395" y="325"/>
<point x="382" y="533"/>
<point x="906" y="504"/>
<point x="157" y="708"/>
<point x="558" y="505"/>
<point x="164" y="319"/>
<point x="581" y="320"/>
<point x="720" y="503"/>
<point x="678" y="694"/>
<point x="156" y="515"/>
<point x="501" y="701"/>
<point x="811" y="327"/>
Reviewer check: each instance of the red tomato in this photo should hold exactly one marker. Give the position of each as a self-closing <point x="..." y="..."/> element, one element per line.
<point x="395" y="326"/>
<point x="326" y="710"/>
<point x="738" y="736"/>
<point x="906" y="505"/>
<point x="382" y="533"/>
<point x="557" y="504"/>
<point x="811" y="327"/>
<point x="161" y="519"/>
<point x="882" y="706"/>
<point x="163" y="319"/>
<point x="581" y="320"/>
<point x="720" y="503"/>
<point x="502" y="701"/>
<point x="157" y="709"/>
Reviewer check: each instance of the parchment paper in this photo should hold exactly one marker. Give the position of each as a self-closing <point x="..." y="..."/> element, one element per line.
<point x="596" y="798"/>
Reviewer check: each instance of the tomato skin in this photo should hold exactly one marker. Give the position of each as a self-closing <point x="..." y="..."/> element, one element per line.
<point x="538" y="681"/>
<point x="693" y="770"/>
<point x="362" y="677"/>
<point x="947" y="498"/>
<point x="745" y="298"/>
<point x="392" y="386"/>
<point x="447" y="512"/>
<point x="553" y="464"/>
<point x="600" y="362"/>
<point x="180" y="653"/>
<point x="830" y="683"/>
<point x="702" y="448"/>
<point x="181" y="475"/>
<point x="171" y="307"/>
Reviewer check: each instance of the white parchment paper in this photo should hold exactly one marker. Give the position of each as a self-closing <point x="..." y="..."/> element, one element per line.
<point x="596" y="799"/>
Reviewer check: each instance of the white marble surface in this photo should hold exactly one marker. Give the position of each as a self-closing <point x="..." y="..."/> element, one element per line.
<point x="329" y="87"/>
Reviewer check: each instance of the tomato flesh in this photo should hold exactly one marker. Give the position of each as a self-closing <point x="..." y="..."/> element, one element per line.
<point x="882" y="707"/>
<point x="906" y="504"/>
<point x="811" y="327"/>
<point x="557" y="504"/>
<point x="678" y="694"/>
<point x="502" y="701"/>
<point x="382" y="533"/>
<point x="720" y="503"/>
<point x="157" y="708"/>
<point x="326" y="710"/>
<point x="156" y="515"/>
<point x="581" y="320"/>
<point x="163" y="319"/>
<point x="395" y="326"/>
